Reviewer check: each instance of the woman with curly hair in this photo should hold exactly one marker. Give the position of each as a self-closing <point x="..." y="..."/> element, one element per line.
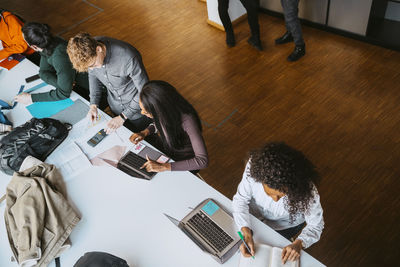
<point x="278" y="186"/>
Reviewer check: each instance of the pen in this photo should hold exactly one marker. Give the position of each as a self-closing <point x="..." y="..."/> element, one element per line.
<point x="247" y="247"/>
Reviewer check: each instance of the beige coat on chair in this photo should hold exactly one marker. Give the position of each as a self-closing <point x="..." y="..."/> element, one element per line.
<point x="38" y="217"/>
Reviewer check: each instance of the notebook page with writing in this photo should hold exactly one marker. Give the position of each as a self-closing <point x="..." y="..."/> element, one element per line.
<point x="262" y="258"/>
<point x="276" y="259"/>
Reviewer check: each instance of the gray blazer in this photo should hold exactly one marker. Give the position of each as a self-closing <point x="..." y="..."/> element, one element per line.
<point x="123" y="74"/>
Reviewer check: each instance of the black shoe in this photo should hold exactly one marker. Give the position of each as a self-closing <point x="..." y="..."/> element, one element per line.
<point x="286" y="38"/>
<point x="255" y="42"/>
<point x="230" y="40"/>
<point x="297" y="53"/>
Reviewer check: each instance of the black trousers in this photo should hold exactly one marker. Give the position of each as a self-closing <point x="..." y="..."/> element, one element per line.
<point x="251" y="7"/>
<point x="291" y="232"/>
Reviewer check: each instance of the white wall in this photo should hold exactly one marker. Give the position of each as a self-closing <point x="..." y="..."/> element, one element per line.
<point x="350" y="15"/>
<point x="312" y="10"/>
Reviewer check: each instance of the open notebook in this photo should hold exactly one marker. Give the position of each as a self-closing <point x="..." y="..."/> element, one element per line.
<point x="266" y="256"/>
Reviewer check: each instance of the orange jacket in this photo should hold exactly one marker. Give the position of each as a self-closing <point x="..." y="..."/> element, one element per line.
<point x="11" y="36"/>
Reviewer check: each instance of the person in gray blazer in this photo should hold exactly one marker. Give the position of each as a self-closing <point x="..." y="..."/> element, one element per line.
<point x="117" y="66"/>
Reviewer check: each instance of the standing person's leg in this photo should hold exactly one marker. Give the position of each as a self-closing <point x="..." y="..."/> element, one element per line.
<point x="290" y="10"/>
<point x="252" y="7"/>
<point x="223" y="6"/>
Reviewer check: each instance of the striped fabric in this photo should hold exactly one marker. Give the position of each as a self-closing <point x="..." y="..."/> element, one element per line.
<point x="4" y="128"/>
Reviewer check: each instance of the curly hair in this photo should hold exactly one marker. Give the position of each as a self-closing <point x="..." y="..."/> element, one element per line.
<point x="82" y="50"/>
<point x="287" y="170"/>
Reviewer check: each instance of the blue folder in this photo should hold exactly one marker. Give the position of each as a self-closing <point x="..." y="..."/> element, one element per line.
<point x="47" y="109"/>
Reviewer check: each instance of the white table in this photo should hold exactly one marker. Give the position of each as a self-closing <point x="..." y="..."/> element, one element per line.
<point x="124" y="216"/>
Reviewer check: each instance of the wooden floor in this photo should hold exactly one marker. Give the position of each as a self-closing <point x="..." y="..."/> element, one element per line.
<point x="339" y="105"/>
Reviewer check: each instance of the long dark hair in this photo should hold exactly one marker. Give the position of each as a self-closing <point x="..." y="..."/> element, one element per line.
<point x="167" y="106"/>
<point x="39" y="34"/>
<point x="287" y="170"/>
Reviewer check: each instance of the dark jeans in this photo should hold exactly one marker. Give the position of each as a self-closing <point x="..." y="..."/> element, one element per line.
<point x="291" y="232"/>
<point x="138" y="124"/>
<point x="290" y="11"/>
<point x="251" y="7"/>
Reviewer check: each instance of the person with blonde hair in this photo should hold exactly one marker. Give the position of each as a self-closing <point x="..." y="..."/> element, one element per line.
<point x="117" y="66"/>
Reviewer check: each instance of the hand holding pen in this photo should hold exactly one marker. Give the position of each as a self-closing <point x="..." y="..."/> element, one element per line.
<point x="247" y="247"/>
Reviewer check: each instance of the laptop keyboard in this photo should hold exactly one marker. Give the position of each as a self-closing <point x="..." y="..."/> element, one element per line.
<point x="134" y="162"/>
<point x="130" y="171"/>
<point x="210" y="231"/>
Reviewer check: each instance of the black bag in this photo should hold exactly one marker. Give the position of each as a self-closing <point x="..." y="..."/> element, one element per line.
<point x="100" y="259"/>
<point x="37" y="138"/>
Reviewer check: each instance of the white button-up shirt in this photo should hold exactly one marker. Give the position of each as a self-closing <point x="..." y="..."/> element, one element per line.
<point x="274" y="213"/>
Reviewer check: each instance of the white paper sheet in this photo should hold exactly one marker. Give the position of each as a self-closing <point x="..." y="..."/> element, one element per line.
<point x="83" y="135"/>
<point x="69" y="160"/>
<point x="266" y="256"/>
<point x="276" y="260"/>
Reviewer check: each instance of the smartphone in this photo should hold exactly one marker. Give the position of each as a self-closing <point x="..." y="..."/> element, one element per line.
<point x="97" y="138"/>
<point x="32" y="78"/>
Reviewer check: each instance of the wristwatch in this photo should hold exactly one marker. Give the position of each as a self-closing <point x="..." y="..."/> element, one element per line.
<point x="122" y="116"/>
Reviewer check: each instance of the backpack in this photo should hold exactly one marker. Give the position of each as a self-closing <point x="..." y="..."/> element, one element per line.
<point x="100" y="259"/>
<point x="37" y="138"/>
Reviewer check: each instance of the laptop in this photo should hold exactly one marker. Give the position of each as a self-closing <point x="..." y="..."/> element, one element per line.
<point x="131" y="162"/>
<point x="212" y="229"/>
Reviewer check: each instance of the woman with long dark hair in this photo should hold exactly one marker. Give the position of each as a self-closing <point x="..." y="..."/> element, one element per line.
<point x="176" y="128"/>
<point x="279" y="187"/>
<point x="55" y="66"/>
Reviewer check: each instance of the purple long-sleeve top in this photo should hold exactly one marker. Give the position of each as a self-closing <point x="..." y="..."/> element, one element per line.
<point x="193" y="155"/>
